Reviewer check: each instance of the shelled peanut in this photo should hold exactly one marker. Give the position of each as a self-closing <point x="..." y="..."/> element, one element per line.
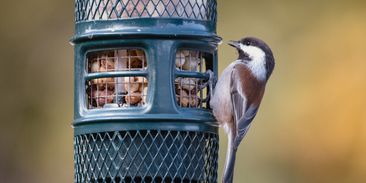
<point x="135" y="86"/>
<point x="103" y="97"/>
<point x="187" y="98"/>
<point x="187" y="60"/>
<point x="187" y="88"/>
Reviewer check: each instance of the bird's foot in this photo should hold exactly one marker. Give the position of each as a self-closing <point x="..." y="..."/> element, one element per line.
<point x="211" y="81"/>
<point x="210" y="84"/>
<point x="211" y="75"/>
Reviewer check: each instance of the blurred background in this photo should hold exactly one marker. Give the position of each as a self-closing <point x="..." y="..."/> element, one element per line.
<point x="311" y="126"/>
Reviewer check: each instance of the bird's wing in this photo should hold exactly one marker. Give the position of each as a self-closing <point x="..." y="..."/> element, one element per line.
<point x="244" y="113"/>
<point x="244" y="122"/>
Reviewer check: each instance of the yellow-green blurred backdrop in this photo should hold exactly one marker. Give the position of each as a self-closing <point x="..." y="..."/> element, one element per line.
<point x="311" y="126"/>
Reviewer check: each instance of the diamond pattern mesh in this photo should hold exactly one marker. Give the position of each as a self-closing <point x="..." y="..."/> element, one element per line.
<point x="124" y="9"/>
<point x="146" y="156"/>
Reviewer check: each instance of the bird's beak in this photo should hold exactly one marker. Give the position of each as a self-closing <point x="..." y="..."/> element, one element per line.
<point x="235" y="44"/>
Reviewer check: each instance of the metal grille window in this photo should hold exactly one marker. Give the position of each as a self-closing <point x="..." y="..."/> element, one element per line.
<point x="105" y="91"/>
<point x="191" y="66"/>
<point x="116" y="60"/>
<point x="124" y="9"/>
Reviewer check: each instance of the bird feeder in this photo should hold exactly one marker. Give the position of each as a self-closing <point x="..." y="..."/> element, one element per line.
<point x="141" y="106"/>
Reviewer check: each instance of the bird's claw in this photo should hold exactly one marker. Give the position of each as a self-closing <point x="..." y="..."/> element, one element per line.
<point x="212" y="78"/>
<point x="209" y="83"/>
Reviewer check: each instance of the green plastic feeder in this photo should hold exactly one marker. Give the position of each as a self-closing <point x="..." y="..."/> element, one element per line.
<point x="141" y="111"/>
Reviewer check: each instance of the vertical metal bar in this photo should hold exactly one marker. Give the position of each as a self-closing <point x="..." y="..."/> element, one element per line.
<point x="116" y="67"/>
<point x="181" y="90"/>
<point x="200" y="80"/>
<point x="129" y="78"/>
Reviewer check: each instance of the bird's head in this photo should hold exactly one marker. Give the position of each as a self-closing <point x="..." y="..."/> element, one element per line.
<point x="256" y="55"/>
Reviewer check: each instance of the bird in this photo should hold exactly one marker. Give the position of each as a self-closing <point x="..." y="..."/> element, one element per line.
<point x="238" y="93"/>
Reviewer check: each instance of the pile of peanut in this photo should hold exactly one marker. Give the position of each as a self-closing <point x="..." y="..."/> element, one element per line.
<point x="118" y="91"/>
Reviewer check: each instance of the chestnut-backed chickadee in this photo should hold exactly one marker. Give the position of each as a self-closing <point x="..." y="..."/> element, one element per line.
<point x="238" y="94"/>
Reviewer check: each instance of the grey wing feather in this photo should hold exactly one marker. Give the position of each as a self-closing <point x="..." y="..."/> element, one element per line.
<point x="239" y="103"/>
<point x="243" y="114"/>
<point x="244" y="123"/>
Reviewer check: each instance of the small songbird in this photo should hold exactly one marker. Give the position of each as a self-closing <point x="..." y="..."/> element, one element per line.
<point x="238" y="94"/>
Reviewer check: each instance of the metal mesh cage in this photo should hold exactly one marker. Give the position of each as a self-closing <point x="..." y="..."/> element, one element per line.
<point x="114" y="92"/>
<point x="190" y="91"/>
<point x="86" y="10"/>
<point x="116" y="60"/>
<point x="146" y="156"/>
<point x="132" y="92"/>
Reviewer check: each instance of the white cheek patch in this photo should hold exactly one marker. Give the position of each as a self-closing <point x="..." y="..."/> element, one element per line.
<point x="257" y="64"/>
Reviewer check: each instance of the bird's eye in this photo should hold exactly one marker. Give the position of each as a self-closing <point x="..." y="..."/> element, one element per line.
<point x="247" y="43"/>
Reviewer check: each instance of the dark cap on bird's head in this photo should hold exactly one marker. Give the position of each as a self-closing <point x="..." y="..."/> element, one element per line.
<point x="250" y="47"/>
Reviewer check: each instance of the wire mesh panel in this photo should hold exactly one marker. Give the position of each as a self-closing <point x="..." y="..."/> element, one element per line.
<point x="112" y="92"/>
<point x="132" y="92"/>
<point x="86" y="10"/>
<point x="146" y="156"/>
<point x="191" y="91"/>
<point x="116" y="60"/>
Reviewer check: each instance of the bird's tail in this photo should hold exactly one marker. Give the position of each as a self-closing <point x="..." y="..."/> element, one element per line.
<point x="230" y="159"/>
